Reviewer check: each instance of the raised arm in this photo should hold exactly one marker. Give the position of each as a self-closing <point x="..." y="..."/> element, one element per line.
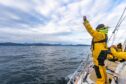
<point x="91" y="31"/>
<point x="88" y="27"/>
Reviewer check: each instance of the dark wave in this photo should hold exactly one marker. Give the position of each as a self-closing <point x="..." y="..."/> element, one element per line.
<point x="39" y="64"/>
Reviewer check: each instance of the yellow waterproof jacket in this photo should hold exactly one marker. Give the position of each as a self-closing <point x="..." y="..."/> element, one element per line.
<point x="116" y="54"/>
<point x="97" y="36"/>
<point x="119" y="49"/>
<point x="120" y="55"/>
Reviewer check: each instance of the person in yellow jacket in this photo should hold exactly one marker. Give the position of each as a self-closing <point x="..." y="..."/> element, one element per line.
<point x="119" y="47"/>
<point x="99" y="49"/>
<point x="119" y="55"/>
<point x="111" y="56"/>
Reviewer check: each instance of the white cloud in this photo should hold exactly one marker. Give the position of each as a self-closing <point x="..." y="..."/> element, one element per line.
<point x="21" y="4"/>
<point x="60" y="17"/>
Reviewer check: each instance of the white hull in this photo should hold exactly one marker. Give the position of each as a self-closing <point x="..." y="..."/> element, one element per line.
<point x="86" y="75"/>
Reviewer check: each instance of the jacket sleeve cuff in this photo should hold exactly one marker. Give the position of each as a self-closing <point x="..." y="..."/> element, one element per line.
<point x="86" y="21"/>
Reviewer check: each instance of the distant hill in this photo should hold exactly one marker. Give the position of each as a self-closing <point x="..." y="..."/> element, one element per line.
<point x="37" y="44"/>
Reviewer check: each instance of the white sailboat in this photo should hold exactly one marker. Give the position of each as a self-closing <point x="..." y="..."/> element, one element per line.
<point x="116" y="71"/>
<point x="85" y="74"/>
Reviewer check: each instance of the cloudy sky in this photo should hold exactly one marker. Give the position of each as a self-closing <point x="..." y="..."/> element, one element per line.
<point x="57" y="21"/>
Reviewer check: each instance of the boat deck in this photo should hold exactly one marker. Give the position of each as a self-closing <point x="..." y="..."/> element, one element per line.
<point x="109" y="65"/>
<point x="114" y="69"/>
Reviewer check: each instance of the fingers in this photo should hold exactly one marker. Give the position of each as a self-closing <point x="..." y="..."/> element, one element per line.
<point x="84" y="18"/>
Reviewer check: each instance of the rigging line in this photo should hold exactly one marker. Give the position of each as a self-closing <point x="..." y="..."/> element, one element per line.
<point x="119" y="21"/>
<point x="117" y="25"/>
<point x="83" y="64"/>
<point x="120" y="24"/>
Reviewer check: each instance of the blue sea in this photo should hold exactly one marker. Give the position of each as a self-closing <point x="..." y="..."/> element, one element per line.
<point x="39" y="64"/>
